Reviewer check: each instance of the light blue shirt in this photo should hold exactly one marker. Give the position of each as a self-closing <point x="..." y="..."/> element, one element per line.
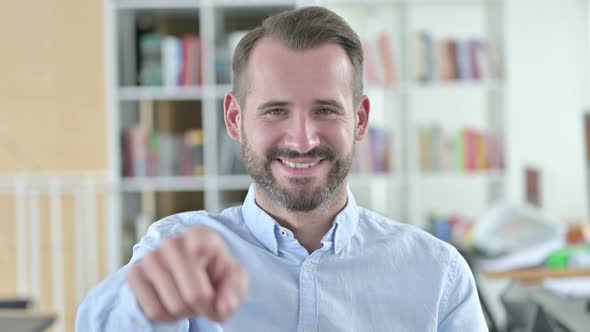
<point x="372" y="274"/>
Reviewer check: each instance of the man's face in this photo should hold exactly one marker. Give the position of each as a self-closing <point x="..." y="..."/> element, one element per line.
<point x="298" y="123"/>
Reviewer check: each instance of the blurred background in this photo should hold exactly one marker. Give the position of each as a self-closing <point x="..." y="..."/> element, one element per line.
<point x="113" y="119"/>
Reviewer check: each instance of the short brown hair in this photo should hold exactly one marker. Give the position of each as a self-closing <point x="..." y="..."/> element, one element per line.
<point x="301" y="29"/>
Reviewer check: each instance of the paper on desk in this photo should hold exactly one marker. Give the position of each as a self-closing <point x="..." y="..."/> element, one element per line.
<point x="532" y="256"/>
<point x="578" y="287"/>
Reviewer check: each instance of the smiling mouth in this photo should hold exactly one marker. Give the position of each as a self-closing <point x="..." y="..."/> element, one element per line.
<point x="299" y="165"/>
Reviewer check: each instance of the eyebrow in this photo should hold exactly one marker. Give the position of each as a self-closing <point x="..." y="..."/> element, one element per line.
<point x="280" y="103"/>
<point x="330" y="102"/>
<point x="273" y="103"/>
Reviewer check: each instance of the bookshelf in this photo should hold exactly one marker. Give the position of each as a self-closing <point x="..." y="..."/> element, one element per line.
<point x="402" y="102"/>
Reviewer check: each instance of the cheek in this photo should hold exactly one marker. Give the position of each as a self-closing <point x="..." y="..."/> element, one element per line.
<point x="262" y="137"/>
<point x="339" y="137"/>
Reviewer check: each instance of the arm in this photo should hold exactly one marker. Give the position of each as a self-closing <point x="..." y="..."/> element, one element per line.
<point x="112" y="306"/>
<point x="169" y="279"/>
<point x="460" y="309"/>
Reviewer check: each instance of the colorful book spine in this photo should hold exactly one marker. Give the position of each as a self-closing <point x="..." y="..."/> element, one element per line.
<point x="387" y="56"/>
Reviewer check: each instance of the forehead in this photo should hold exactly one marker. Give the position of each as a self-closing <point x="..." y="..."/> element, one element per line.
<point x="279" y="72"/>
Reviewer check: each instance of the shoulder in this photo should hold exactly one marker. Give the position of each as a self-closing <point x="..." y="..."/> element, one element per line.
<point x="407" y="242"/>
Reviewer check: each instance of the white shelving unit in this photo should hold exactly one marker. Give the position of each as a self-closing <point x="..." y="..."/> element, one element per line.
<point x="403" y="194"/>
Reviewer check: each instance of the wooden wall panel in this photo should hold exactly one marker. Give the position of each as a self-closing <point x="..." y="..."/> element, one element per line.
<point x="52" y="105"/>
<point x="53" y="98"/>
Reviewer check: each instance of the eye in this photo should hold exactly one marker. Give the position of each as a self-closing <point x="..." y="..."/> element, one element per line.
<point x="276" y="111"/>
<point x="326" y="111"/>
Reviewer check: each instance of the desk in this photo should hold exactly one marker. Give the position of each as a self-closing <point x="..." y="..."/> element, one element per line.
<point x="24" y="321"/>
<point x="536" y="275"/>
<point x="573" y="313"/>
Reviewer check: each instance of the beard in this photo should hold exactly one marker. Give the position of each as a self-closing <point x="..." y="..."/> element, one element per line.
<point x="299" y="196"/>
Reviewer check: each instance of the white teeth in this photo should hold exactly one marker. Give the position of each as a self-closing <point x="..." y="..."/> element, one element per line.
<point x="299" y="165"/>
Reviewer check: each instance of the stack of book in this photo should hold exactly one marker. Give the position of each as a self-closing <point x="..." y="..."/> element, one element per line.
<point x="469" y="150"/>
<point x="171" y="61"/>
<point x="151" y="153"/>
<point x="373" y="153"/>
<point x="452" y="59"/>
<point x="379" y="60"/>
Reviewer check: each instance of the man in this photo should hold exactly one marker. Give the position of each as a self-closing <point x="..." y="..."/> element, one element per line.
<point x="299" y="255"/>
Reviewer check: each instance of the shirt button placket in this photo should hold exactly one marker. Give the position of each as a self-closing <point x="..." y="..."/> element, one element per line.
<point x="308" y="294"/>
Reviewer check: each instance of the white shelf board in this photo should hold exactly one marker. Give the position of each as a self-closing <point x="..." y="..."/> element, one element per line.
<point x="229" y="182"/>
<point x="253" y="3"/>
<point x="172" y="183"/>
<point x="451" y="2"/>
<point x="186" y="183"/>
<point x="455" y="84"/>
<point x="456" y="176"/>
<point x="134" y="93"/>
<point x="403" y="2"/>
<point x="358" y="179"/>
<point x="412" y="86"/>
<point x="156" y="4"/>
<point x="233" y="182"/>
<point x="382" y="89"/>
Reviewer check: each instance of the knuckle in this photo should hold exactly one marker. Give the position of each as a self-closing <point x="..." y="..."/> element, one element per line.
<point x="154" y="313"/>
<point x="172" y="244"/>
<point x="203" y="231"/>
<point x="192" y="296"/>
<point x="151" y="260"/>
<point x="134" y="274"/>
<point x="176" y="308"/>
<point x="148" y="259"/>
<point x="195" y="297"/>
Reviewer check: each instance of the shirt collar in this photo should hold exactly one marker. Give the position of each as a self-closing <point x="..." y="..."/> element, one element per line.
<point x="266" y="229"/>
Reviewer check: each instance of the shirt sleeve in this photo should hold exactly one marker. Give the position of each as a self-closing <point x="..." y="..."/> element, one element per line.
<point x="460" y="307"/>
<point x="111" y="306"/>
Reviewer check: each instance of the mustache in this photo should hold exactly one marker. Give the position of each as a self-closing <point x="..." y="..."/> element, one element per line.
<point x="319" y="152"/>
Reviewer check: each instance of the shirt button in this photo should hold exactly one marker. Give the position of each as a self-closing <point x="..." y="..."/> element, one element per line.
<point x="309" y="267"/>
<point x="283" y="232"/>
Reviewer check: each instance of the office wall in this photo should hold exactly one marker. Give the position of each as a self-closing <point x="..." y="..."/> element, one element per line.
<point x="52" y="86"/>
<point x="52" y="101"/>
<point x="547" y="69"/>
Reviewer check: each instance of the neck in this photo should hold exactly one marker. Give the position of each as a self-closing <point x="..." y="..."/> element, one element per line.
<point x="307" y="227"/>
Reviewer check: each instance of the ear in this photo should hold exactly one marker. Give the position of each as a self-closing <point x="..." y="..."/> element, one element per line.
<point x="232" y="116"/>
<point x="362" y="118"/>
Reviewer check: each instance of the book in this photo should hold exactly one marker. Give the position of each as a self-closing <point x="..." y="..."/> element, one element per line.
<point x="190" y="72"/>
<point x="425" y="148"/>
<point x="428" y="56"/>
<point x="443" y="61"/>
<point x="481" y="159"/>
<point x="472" y="49"/>
<point x="369" y="64"/>
<point x="172" y="54"/>
<point x="470" y="147"/>
<point x="532" y="185"/>
<point x="380" y="150"/>
<point x="387" y="57"/>
<point x="460" y="152"/>
<point x="418" y="52"/>
<point x="150" y="50"/>
<point x="464" y="71"/>
<point x="193" y="140"/>
<point x="587" y="137"/>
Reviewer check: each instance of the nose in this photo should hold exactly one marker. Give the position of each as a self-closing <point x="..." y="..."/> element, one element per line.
<point x="301" y="133"/>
